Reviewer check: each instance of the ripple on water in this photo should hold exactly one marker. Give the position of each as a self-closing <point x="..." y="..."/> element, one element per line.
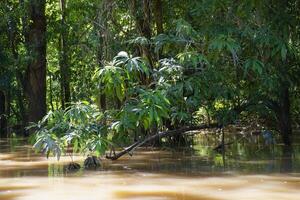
<point x="176" y="175"/>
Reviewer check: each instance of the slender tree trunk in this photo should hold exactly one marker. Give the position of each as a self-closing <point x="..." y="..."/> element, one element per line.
<point x="63" y="58"/>
<point x="13" y="32"/>
<point x="104" y="37"/>
<point x="158" y="15"/>
<point x="102" y="96"/>
<point x="143" y="25"/>
<point x="103" y="102"/>
<point x="51" y="92"/>
<point x="286" y="164"/>
<point x="8" y="108"/>
<point x="21" y="104"/>
<point x="3" y="121"/>
<point x="284" y="118"/>
<point x="35" y="75"/>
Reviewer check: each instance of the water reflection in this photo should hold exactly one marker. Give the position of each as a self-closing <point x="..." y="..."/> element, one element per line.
<point x="286" y="164"/>
<point x="250" y="154"/>
<point x="246" y="167"/>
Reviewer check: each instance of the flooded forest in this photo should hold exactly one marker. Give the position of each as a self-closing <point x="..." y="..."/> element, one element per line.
<point x="150" y="99"/>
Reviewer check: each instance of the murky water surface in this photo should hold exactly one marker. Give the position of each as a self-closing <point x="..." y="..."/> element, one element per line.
<point x="248" y="170"/>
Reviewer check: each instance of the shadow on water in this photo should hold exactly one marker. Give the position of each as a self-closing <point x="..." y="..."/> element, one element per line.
<point x="286" y="164"/>
<point x="197" y="172"/>
<point x="247" y="156"/>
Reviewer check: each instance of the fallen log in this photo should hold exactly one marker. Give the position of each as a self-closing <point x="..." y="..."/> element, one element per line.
<point x="163" y="134"/>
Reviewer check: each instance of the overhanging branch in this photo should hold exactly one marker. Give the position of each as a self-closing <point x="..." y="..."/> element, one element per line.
<point x="163" y="134"/>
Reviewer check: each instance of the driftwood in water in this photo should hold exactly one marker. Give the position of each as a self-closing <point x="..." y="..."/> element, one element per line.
<point x="137" y="144"/>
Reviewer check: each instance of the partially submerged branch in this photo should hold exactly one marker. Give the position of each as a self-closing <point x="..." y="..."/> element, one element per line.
<point x="137" y="144"/>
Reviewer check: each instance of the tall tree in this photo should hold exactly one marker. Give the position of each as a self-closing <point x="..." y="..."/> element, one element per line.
<point x="35" y="75"/>
<point x="2" y="114"/>
<point x="104" y="39"/>
<point x="141" y="11"/>
<point x="158" y="16"/>
<point x="63" y="57"/>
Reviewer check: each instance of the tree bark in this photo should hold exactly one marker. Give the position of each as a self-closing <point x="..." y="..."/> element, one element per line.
<point x="158" y="15"/>
<point x="104" y="39"/>
<point x="51" y="91"/>
<point x="63" y="58"/>
<point x="284" y="118"/>
<point x="3" y="121"/>
<point x="151" y="138"/>
<point x="35" y="75"/>
<point x="143" y="25"/>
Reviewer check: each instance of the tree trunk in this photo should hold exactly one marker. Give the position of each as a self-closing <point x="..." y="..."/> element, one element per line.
<point x="284" y="118"/>
<point x="21" y="91"/>
<point x="63" y="59"/>
<point x="3" y="121"/>
<point x="143" y="24"/>
<point x="35" y="75"/>
<point x="286" y="164"/>
<point x="158" y="15"/>
<point x="51" y="91"/>
<point x="20" y="104"/>
<point x="104" y="38"/>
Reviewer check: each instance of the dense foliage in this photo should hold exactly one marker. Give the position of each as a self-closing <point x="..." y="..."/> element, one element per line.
<point x="139" y="67"/>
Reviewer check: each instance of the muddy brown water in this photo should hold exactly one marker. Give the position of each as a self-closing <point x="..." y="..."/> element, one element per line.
<point x="248" y="170"/>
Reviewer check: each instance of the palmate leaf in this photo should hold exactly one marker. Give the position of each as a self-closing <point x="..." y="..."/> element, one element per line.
<point x="126" y="119"/>
<point x="98" y="144"/>
<point x="112" y="78"/>
<point x="192" y="57"/>
<point x="150" y="108"/>
<point x="161" y="40"/>
<point x="280" y="49"/>
<point x="131" y="65"/>
<point x="223" y="42"/>
<point x="123" y="72"/>
<point x="180" y="116"/>
<point x="72" y="127"/>
<point x="254" y="65"/>
<point x="155" y="107"/>
<point x="169" y="71"/>
<point x="120" y="92"/>
<point x="140" y="40"/>
<point x="184" y="29"/>
<point x="46" y="143"/>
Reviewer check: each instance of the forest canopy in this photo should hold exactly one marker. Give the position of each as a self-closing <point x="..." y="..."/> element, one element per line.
<point x="101" y="74"/>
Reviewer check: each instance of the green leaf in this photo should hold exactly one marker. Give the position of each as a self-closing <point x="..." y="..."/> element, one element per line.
<point x="283" y="52"/>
